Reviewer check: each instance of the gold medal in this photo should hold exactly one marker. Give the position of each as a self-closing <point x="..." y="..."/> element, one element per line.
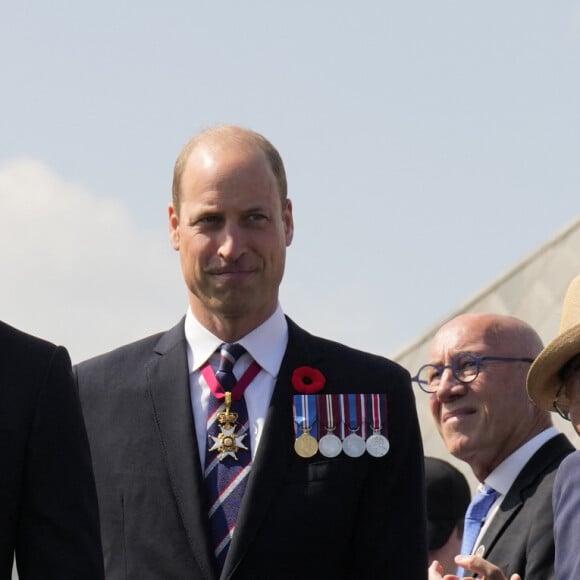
<point x="306" y="445"/>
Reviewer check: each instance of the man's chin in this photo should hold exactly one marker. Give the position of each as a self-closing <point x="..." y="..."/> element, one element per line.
<point x="230" y="311"/>
<point x="458" y="445"/>
<point x="234" y="307"/>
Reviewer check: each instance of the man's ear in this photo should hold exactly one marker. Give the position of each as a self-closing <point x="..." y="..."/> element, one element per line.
<point x="288" y="222"/>
<point x="173" y="227"/>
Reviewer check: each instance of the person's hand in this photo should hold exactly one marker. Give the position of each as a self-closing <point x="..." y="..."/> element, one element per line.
<point x="485" y="570"/>
<point x="435" y="571"/>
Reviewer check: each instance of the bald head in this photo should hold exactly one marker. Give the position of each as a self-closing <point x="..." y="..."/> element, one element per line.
<point x="505" y="332"/>
<point x="230" y="136"/>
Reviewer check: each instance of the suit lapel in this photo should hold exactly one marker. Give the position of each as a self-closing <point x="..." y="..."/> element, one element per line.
<point x="275" y="452"/>
<point x="546" y="457"/>
<point x="167" y="375"/>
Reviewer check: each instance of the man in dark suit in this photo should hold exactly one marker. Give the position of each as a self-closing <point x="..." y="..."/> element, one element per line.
<point x="48" y="503"/>
<point x="304" y="514"/>
<point x="476" y="378"/>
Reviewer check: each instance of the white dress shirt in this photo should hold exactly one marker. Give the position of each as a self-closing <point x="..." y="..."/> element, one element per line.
<point x="266" y="344"/>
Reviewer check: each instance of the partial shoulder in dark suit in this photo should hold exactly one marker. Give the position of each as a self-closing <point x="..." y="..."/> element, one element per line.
<point x="520" y="537"/>
<point x="47" y="491"/>
<point x="340" y="518"/>
<point x="567" y="517"/>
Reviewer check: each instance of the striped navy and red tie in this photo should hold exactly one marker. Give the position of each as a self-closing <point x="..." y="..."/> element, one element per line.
<point x="226" y="478"/>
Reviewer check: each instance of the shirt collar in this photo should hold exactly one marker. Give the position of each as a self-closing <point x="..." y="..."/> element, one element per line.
<point x="266" y="344"/>
<point x="503" y="476"/>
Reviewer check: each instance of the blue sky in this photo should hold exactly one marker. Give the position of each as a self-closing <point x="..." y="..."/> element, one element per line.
<point x="429" y="147"/>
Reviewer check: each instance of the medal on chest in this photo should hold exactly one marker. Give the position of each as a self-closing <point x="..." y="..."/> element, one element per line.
<point x="306" y="443"/>
<point x="227" y="442"/>
<point x="377" y="444"/>
<point x="330" y="445"/>
<point x="355" y="422"/>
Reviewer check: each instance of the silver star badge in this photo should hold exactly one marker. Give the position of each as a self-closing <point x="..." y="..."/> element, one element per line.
<point x="227" y="443"/>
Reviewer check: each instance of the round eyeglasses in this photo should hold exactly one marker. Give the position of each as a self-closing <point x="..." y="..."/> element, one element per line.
<point x="569" y="374"/>
<point x="562" y="404"/>
<point x="465" y="368"/>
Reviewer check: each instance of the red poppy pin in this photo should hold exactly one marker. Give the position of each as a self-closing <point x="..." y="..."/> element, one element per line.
<point x="307" y="380"/>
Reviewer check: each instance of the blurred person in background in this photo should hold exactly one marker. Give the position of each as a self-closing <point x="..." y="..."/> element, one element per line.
<point x="448" y="496"/>
<point x="554" y="385"/>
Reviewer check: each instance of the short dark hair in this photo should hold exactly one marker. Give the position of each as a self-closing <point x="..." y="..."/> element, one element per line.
<point x="448" y="496"/>
<point x="233" y="135"/>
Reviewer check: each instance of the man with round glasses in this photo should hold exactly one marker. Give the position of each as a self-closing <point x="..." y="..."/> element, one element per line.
<point x="476" y="380"/>
<point x="554" y="385"/>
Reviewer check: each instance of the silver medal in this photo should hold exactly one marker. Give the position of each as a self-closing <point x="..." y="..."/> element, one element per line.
<point x="330" y="445"/>
<point x="377" y="445"/>
<point x="353" y="445"/>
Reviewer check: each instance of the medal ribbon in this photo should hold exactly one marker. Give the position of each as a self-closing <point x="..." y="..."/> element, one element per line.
<point x="238" y="391"/>
<point x="343" y="417"/>
<point x="353" y="414"/>
<point x="327" y="412"/>
<point x="362" y="409"/>
<point x="377" y="409"/>
<point x="305" y="414"/>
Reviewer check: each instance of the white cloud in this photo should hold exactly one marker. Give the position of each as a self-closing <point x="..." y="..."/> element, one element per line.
<point x="76" y="269"/>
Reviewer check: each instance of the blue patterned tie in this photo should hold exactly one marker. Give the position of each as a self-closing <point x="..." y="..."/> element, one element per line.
<point x="226" y="478"/>
<point x="474" y="519"/>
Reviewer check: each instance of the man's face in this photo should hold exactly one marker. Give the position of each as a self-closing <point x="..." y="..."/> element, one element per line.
<point x="232" y="234"/>
<point x="573" y="391"/>
<point x="483" y="421"/>
<point x="568" y="396"/>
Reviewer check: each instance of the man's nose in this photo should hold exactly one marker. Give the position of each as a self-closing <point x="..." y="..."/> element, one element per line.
<point x="449" y="385"/>
<point x="231" y="242"/>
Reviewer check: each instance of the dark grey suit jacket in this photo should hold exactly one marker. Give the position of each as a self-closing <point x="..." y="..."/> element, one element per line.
<point x="48" y="502"/>
<point x="520" y="537"/>
<point x="315" y="518"/>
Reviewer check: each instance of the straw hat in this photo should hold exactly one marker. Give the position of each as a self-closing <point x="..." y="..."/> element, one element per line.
<point x="543" y="382"/>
